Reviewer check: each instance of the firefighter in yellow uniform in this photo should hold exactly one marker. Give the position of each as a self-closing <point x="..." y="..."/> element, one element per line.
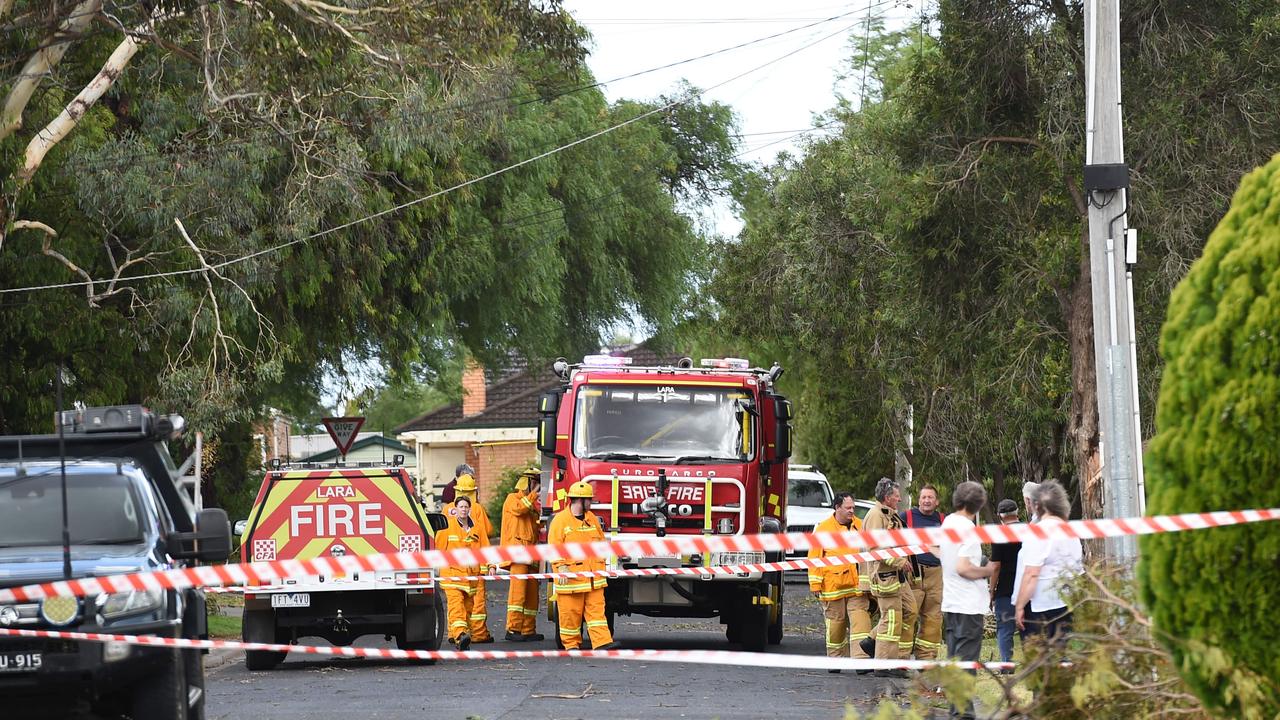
<point x="466" y="487"/>
<point x="889" y="579"/>
<point x="580" y="598"/>
<point x="840" y="589"/>
<point x="520" y="514"/>
<point x="460" y="594"/>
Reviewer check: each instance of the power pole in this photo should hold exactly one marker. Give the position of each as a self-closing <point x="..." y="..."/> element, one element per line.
<point x="1112" y="252"/>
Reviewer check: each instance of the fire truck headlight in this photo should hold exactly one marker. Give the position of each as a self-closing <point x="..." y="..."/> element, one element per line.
<point x="736" y="558"/>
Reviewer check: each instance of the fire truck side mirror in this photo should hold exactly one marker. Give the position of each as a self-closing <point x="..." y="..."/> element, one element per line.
<point x="549" y="403"/>
<point x="782" y="413"/>
<point x="547" y="434"/>
<point x="437" y="522"/>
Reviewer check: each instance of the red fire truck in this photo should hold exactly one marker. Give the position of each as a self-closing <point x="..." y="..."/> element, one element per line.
<point x="677" y="450"/>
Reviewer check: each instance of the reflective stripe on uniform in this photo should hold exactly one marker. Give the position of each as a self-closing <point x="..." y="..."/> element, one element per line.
<point x="837" y="594"/>
<point x="890" y="627"/>
<point x="573" y="587"/>
<point x="570" y="631"/>
<point x="597" y="623"/>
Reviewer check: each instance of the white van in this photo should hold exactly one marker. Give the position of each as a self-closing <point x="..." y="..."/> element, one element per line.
<point x="809" y="498"/>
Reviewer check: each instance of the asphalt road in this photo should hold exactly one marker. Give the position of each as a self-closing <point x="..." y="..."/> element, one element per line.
<point x="307" y="687"/>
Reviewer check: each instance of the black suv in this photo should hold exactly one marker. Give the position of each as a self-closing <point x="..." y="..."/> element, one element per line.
<point x="128" y="510"/>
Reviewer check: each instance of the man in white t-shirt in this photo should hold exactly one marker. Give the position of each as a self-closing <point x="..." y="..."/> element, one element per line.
<point x="964" y="582"/>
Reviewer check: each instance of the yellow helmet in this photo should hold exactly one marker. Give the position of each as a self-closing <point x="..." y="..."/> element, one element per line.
<point x="466" y="483"/>
<point x="526" y="477"/>
<point x="581" y="489"/>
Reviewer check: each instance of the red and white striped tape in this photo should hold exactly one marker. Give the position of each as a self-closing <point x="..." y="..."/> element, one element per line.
<point x="714" y="570"/>
<point x="262" y="573"/>
<point x="701" y="657"/>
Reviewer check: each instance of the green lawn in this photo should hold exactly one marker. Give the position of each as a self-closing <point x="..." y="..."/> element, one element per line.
<point x="224" y="627"/>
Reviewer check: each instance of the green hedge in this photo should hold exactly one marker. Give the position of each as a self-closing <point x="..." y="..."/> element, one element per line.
<point x="1213" y="593"/>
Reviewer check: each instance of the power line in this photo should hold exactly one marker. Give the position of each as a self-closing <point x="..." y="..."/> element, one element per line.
<point x="438" y="193"/>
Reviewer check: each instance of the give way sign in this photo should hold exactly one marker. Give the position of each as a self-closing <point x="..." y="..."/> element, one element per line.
<point x="343" y="431"/>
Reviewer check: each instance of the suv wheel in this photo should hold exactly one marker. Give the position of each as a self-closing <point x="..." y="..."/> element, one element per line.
<point x="165" y="694"/>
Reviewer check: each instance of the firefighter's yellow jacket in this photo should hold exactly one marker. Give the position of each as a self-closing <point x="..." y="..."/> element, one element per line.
<point x="565" y="528"/>
<point x="520" y="512"/>
<point x="885" y="576"/>
<point x="454" y="537"/>
<point x="833" y="583"/>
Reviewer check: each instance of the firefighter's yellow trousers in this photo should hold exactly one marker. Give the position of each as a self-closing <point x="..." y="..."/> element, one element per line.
<point x="460" y="602"/>
<point x="478" y="619"/>
<point x="897" y="610"/>
<point x="522" y="602"/>
<point x="927" y="591"/>
<point x="573" y="609"/>
<point x="843" y="615"/>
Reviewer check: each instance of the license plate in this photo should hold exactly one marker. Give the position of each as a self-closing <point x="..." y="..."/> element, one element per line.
<point x="291" y="600"/>
<point x="16" y="662"/>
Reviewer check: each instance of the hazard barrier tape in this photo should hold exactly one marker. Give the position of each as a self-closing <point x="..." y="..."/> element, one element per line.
<point x="711" y="571"/>
<point x="262" y="573"/>
<point x="701" y="657"/>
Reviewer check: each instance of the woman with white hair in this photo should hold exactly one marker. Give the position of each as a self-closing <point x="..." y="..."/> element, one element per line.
<point x="1046" y="567"/>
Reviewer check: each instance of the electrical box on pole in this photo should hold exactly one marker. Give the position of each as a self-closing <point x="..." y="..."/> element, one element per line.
<point x="1106" y="183"/>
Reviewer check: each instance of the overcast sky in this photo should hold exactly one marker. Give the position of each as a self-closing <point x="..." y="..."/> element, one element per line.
<point x="774" y="102"/>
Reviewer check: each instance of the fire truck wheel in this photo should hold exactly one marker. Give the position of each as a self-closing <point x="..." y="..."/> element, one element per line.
<point x="775" y="624"/>
<point x="260" y="626"/>
<point x="755" y="628"/>
<point x="164" y="694"/>
<point x="733" y="628"/>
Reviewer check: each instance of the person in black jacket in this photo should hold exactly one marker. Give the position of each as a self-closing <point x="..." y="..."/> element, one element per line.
<point x="1004" y="556"/>
<point x="449" y="494"/>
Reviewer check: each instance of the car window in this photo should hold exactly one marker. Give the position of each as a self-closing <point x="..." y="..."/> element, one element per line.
<point x="102" y="509"/>
<point x="807" y="492"/>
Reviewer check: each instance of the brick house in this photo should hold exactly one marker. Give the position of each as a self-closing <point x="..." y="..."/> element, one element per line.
<point x="492" y="429"/>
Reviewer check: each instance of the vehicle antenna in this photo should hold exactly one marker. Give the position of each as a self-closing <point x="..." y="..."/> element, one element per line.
<point x="62" y="461"/>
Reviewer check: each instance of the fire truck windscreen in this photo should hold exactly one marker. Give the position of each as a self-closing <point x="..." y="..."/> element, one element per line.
<point x="665" y="422"/>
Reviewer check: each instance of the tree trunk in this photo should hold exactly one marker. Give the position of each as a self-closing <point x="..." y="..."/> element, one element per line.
<point x="1083" y="425"/>
<point x="997" y="489"/>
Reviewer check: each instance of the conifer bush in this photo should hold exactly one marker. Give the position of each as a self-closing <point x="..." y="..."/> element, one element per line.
<point x="1214" y="595"/>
